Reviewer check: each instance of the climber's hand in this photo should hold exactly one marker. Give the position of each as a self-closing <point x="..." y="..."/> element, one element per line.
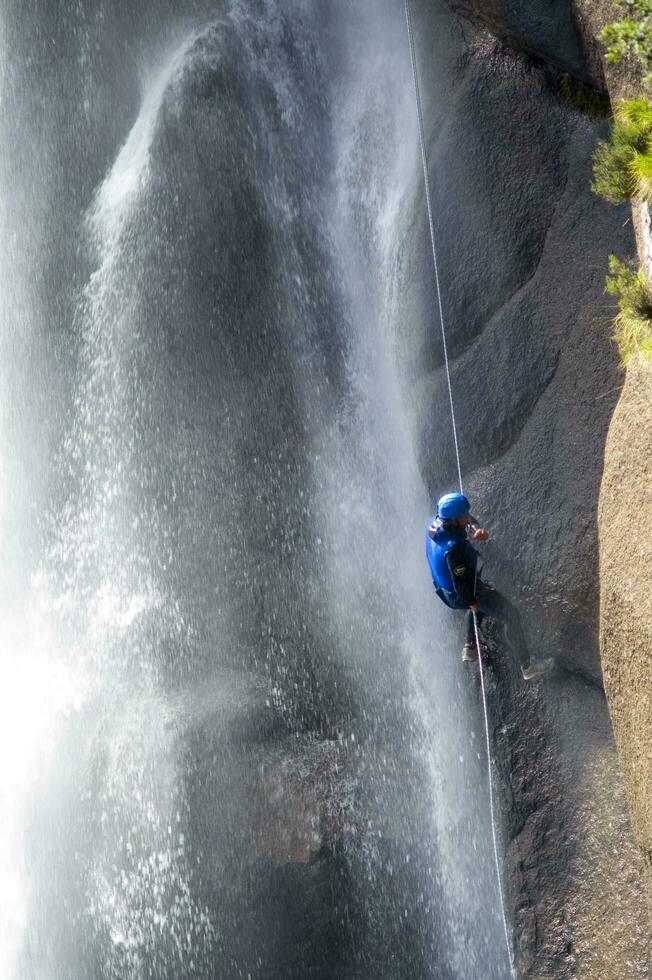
<point x="480" y="534"/>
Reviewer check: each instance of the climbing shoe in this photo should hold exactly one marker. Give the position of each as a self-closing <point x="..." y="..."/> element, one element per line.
<point x="536" y="668"/>
<point x="469" y="653"/>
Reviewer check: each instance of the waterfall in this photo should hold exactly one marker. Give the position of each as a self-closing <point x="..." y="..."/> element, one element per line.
<point x="237" y="740"/>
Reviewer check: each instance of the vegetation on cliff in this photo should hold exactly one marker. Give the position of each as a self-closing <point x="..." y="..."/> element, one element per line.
<point x="633" y="322"/>
<point x="622" y="170"/>
<point x="631" y="36"/>
<point x="622" y="165"/>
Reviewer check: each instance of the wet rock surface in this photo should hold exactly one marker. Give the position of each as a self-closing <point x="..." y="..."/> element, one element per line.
<point x="546" y="30"/>
<point x="212" y="835"/>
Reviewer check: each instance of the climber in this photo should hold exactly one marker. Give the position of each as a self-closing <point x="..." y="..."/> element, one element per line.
<point x="453" y="563"/>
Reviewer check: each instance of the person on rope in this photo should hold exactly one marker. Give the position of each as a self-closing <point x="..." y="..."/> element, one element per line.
<point x="453" y="563"/>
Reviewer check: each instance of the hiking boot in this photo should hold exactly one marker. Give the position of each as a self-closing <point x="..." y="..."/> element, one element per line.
<point x="536" y="668"/>
<point x="469" y="653"/>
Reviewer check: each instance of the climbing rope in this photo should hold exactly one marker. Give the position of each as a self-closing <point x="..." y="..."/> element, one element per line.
<point x="424" y="162"/>
<point x="417" y="94"/>
<point x="494" y="835"/>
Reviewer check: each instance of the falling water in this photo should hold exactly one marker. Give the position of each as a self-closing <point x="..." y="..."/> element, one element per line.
<point x="236" y="743"/>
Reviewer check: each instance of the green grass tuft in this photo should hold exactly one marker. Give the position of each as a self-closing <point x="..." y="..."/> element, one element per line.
<point x="622" y="166"/>
<point x="633" y="322"/>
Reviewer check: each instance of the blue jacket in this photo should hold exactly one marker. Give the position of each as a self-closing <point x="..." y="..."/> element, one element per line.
<point x="453" y="563"/>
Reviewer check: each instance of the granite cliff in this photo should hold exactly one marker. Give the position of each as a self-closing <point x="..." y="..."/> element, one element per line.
<point x="537" y="376"/>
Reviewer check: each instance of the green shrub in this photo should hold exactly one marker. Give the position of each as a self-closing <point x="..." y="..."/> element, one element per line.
<point x="632" y="35"/>
<point x="633" y="322"/>
<point x="622" y="166"/>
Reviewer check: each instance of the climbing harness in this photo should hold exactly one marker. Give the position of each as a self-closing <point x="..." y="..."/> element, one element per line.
<point x="424" y="162"/>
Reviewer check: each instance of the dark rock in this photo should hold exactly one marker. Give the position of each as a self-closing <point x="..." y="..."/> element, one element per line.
<point x="544" y="29"/>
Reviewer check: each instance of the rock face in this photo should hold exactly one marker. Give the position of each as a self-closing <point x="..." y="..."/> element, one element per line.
<point x="523" y="250"/>
<point x="626" y="607"/>
<point x="546" y="30"/>
<point x="625" y="630"/>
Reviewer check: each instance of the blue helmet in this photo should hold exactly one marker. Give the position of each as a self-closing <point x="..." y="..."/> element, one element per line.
<point x="452" y="505"/>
